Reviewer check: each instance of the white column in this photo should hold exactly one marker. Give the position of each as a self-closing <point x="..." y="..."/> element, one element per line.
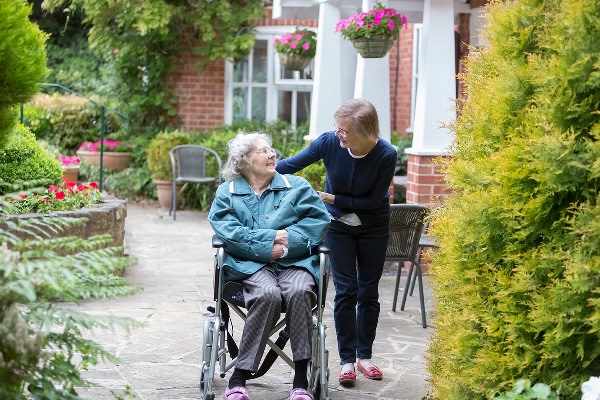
<point x="436" y="93"/>
<point x="326" y="95"/>
<point x="373" y="84"/>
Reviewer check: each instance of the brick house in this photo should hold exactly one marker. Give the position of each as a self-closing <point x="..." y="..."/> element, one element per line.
<point x="412" y="87"/>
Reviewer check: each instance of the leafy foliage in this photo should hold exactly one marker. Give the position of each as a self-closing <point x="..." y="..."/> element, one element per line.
<point x="66" y="121"/>
<point x="23" y="159"/>
<point x="41" y="341"/>
<point x="517" y="273"/>
<point x="22" y="61"/>
<point x="524" y="391"/>
<point x="140" y="42"/>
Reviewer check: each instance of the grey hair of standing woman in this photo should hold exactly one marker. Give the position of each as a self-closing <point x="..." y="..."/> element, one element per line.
<point x="238" y="153"/>
<point x="361" y="116"/>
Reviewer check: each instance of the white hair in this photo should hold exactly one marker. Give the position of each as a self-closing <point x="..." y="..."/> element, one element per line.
<point x="239" y="149"/>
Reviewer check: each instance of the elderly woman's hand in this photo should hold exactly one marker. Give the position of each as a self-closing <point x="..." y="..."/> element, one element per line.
<point x="281" y="237"/>
<point x="326" y="197"/>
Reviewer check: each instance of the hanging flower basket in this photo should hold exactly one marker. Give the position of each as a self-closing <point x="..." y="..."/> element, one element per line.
<point x="297" y="49"/>
<point x="373" y="32"/>
<point x="294" y="62"/>
<point x="376" y="46"/>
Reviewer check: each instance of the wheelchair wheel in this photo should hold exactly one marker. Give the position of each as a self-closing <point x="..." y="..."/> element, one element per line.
<point x="205" y="379"/>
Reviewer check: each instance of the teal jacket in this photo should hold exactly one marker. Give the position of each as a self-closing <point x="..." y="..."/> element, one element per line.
<point x="248" y="223"/>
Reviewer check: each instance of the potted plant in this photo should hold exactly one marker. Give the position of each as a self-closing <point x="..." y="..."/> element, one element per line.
<point x="159" y="164"/>
<point x="116" y="155"/>
<point x="71" y="167"/>
<point x="297" y="49"/>
<point x="372" y="33"/>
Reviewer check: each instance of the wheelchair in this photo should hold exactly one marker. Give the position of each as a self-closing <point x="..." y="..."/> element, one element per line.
<point x="217" y="343"/>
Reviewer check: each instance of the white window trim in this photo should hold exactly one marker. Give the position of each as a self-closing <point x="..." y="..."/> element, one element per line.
<point x="273" y="83"/>
<point x="416" y="71"/>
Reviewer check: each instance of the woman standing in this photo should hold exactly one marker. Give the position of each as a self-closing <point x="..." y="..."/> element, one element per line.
<point x="360" y="167"/>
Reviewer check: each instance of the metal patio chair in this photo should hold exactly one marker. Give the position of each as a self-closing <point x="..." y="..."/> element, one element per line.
<point x="406" y="225"/>
<point x="189" y="165"/>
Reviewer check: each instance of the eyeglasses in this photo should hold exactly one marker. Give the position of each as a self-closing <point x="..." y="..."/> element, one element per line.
<point x="340" y="129"/>
<point x="265" y="151"/>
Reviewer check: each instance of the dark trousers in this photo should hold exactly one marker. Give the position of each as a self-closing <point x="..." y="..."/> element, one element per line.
<point x="357" y="258"/>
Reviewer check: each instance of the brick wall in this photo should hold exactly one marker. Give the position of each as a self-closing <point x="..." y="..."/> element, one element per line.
<point x="200" y="93"/>
<point x="426" y="183"/>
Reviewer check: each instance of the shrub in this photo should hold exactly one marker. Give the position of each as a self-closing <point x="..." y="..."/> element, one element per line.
<point x="158" y="149"/>
<point x="23" y="159"/>
<point x="22" y="61"/>
<point x="516" y="275"/>
<point x="67" y="120"/>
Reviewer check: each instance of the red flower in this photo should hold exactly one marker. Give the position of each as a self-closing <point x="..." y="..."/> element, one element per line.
<point x="59" y="195"/>
<point x="81" y="187"/>
<point x="94" y="185"/>
<point x="22" y="196"/>
<point x="70" y="184"/>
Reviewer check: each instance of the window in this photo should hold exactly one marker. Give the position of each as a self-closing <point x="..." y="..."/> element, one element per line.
<point x="261" y="89"/>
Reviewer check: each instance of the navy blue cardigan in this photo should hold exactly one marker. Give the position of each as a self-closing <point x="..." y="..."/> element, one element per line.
<point x="360" y="185"/>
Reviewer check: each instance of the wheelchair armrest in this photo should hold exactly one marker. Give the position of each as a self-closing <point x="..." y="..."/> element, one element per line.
<point x="323" y="249"/>
<point x="217" y="242"/>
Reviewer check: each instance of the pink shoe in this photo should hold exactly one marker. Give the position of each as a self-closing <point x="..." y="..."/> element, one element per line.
<point x="236" y="393"/>
<point x="370" y="372"/>
<point x="300" y="394"/>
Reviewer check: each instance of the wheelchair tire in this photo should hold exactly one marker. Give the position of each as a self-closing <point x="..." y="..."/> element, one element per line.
<point x="207" y="339"/>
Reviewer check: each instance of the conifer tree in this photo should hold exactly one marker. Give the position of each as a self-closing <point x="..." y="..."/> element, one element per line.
<point x="516" y="278"/>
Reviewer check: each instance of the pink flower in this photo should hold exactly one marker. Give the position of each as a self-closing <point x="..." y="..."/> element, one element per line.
<point x="306" y="46"/>
<point x="391" y="25"/>
<point x="293" y="45"/>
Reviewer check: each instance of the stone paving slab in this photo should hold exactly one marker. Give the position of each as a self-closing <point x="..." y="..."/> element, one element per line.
<point x="161" y="359"/>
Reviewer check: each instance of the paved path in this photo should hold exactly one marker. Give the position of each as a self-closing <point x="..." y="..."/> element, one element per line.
<point x="161" y="360"/>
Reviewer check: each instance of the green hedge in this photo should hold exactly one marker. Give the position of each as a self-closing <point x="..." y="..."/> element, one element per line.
<point x="23" y="159"/>
<point x="517" y="275"/>
<point x="22" y="61"/>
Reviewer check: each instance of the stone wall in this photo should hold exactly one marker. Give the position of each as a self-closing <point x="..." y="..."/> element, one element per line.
<point x="106" y="217"/>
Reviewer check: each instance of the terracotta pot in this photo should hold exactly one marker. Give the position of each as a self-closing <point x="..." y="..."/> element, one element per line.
<point x="294" y="62"/>
<point x="115" y="161"/>
<point x="71" y="173"/>
<point x="376" y="46"/>
<point x="164" y="190"/>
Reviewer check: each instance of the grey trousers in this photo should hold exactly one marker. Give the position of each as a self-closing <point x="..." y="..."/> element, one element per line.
<point x="263" y="292"/>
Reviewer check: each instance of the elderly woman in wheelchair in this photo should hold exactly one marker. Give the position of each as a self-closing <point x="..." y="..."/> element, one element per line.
<point x="270" y="225"/>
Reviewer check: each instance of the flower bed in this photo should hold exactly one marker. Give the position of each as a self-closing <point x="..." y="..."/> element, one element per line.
<point x="108" y="216"/>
